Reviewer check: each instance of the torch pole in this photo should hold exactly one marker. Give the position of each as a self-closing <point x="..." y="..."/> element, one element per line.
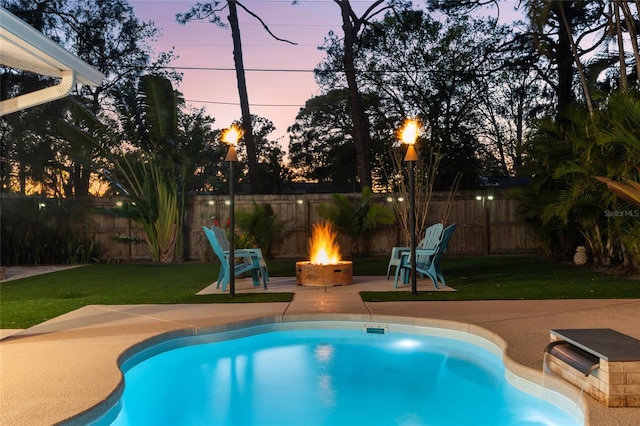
<point x="231" y="158"/>
<point x="408" y="135"/>
<point x="232" y="238"/>
<point x="231" y="136"/>
<point x="412" y="221"/>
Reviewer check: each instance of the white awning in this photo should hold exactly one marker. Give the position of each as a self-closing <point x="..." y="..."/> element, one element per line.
<point x="22" y="47"/>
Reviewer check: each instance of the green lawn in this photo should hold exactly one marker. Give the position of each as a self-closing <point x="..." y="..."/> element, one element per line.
<point x="518" y="278"/>
<point x="29" y="301"/>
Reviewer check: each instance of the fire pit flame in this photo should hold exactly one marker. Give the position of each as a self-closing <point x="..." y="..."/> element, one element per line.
<point x="324" y="267"/>
<point x="323" y="248"/>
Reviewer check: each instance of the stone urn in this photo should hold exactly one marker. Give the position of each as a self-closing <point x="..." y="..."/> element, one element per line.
<point x="580" y="258"/>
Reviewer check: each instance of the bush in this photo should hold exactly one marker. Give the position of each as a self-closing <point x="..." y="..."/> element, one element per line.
<point x="45" y="231"/>
<point x="260" y="224"/>
<point x="355" y="219"/>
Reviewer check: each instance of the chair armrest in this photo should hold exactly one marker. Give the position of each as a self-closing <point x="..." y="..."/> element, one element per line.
<point x="245" y="252"/>
<point x="406" y="255"/>
<point x="248" y="256"/>
<point x="426" y="252"/>
<point x="253" y="251"/>
<point x="397" y="251"/>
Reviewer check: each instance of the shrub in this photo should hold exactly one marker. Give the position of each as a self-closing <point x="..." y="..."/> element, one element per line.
<point x="45" y="231"/>
<point x="355" y="219"/>
<point x="260" y="224"/>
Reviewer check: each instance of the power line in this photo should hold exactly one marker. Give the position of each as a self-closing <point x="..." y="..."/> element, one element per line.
<point x="363" y="72"/>
<point x="233" y="69"/>
<point x="237" y="103"/>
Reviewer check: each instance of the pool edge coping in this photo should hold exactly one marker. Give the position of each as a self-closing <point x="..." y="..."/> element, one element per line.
<point x="526" y="379"/>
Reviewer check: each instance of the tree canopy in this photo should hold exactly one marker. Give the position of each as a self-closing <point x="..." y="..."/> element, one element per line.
<point x="106" y="35"/>
<point x="456" y="76"/>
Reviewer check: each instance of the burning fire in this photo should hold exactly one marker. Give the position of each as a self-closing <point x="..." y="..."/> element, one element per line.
<point x="232" y="135"/>
<point x="410" y="131"/>
<point x="323" y="248"/>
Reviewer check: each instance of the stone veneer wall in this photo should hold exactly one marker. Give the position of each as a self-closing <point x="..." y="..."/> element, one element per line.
<point x="614" y="384"/>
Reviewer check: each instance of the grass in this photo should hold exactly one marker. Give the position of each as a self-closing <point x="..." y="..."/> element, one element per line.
<point x="29" y="301"/>
<point x="518" y="278"/>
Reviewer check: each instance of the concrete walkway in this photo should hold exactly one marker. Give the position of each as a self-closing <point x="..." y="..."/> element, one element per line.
<point x="61" y="368"/>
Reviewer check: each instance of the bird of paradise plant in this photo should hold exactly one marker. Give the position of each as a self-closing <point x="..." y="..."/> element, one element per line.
<point x="147" y="170"/>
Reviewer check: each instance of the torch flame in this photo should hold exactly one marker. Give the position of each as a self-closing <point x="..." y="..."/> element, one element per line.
<point x="323" y="248"/>
<point x="410" y="131"/>
<point x="232" y="135"/>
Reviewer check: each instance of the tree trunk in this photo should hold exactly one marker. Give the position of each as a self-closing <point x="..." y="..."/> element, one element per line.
<point x="79" y="181"/>
<point x="622" y="62"/>
<point x="564" y="60"/>
<point x="520" y="121"/>
<point x="574" y="49"/>
<point x="22" y="177"/>
<point x="244" y="98"/>
<point x="361" y="129"/>
<point x="631" y="28"/>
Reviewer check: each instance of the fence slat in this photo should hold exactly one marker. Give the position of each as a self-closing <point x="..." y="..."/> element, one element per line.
<point x="484" y="226"/>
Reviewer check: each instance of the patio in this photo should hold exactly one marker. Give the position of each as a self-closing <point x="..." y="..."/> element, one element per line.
<point x="64" y="366"/>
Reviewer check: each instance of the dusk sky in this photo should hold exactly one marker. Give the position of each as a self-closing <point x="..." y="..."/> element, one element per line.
<point x="277" y="94"/>
<point x="286" y="82"/>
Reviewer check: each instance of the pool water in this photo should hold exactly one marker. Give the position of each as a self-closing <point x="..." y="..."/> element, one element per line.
<point x="329" y="377"/>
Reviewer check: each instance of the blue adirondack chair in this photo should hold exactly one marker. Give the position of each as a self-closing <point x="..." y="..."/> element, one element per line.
<point x="431" y="239"/>
<point x="251" y="260"/>
<point x="428" y="260"/>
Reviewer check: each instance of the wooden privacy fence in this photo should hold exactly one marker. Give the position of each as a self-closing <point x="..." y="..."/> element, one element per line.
<point x="486" y="225"/>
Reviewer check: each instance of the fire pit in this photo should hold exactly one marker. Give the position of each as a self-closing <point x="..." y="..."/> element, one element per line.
<point x="325" y="267"/>
<point x="311" y="274"/>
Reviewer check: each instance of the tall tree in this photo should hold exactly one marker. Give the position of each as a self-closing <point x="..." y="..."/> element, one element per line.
<point x="352" y="26"/>
<point x="201" y="152"/>
<point x="211" y="12"/>
<point x="321" y="148"/>
<point x="272" y="173"/>
<point x="513" y="95"/>
<point x="565" y="33"/>
<point x="444" y="72"/>
<point x="321" y="145"/>
<point x="108" y="36"/>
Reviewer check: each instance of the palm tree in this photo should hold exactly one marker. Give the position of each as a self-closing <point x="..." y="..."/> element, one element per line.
<point x="356" y="219"/>
<point x="624" y="134"/>
<point x="606" y="143"/>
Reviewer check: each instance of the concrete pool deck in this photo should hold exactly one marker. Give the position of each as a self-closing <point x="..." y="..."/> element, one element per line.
<point x="62" y="367"/>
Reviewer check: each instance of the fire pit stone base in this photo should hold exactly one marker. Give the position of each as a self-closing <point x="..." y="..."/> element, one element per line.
<point x="312" y="274"/>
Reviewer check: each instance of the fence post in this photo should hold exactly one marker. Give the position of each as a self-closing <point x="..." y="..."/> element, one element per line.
<point x="486" y="227"/>
<point x="473" y="237"/>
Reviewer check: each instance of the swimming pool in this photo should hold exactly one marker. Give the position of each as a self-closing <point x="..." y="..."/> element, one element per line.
<point x="329" y="373"/>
